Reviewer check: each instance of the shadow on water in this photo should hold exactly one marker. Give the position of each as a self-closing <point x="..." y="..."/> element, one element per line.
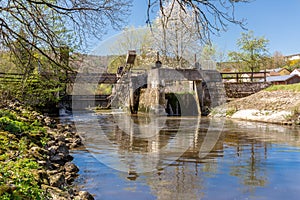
<point x="192" y="158"/>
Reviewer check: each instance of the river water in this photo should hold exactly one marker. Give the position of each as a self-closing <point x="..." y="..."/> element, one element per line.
<point x="142" y="157"/>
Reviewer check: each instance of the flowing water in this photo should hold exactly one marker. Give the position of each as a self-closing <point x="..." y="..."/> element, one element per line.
<point x="141" y="157"/>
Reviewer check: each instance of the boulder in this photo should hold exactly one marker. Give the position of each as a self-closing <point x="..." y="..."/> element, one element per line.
<point x="84" y="195"/>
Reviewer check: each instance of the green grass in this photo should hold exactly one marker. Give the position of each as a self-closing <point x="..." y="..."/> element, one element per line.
<point x="291" y="87"/>
<point x="19" y="169"/>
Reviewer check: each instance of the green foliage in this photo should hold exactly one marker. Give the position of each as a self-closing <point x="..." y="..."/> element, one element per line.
<point x="253" y="51"/>
<point x="39" y="80"/>
<point x="116" y="62"/>
<point x="6" y="64"/>
<point x="35" y="90"/>
<point x="104" y="89"/>
<point x="13" y="123"/>
<point x="208" y="52"/>
<point x="293" y="67"/>
<point x="19" y="177"/>
<point x="17" y="127"/>
<point x="231" y="111"/>
<point x="291" y="87"/>
<point x="25" y="184"/>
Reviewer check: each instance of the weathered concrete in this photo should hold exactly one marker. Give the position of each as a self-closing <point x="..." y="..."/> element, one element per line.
<point x="194" y="91"/>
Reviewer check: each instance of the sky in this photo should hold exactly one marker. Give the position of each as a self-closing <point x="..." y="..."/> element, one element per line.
<point x="276" y="20"/>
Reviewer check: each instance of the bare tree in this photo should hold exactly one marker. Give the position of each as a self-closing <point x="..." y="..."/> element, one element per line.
<point x="210" y="16"/>
<point x="46" y="25"/>
<point x="175" y="34"/>
<point x="278" y="60"/>
<point x="49" y="24"/>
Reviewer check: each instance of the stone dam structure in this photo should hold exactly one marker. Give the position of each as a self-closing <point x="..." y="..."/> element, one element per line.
<point x="167" y="91"/>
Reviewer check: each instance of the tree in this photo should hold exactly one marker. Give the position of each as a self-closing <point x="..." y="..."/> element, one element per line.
<point x="175" y="35"/>
<point x="40" y="35"/>
<point x="253" y="51"/>
<point x="278" y="60"/>
<point x="209" y="16"/>
<point x="49" y="24"/>
<point x="209" y="52"/>
<point x="212" y="57"/>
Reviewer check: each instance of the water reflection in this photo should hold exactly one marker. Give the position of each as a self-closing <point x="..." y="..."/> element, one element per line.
<point x="146" y="143"/>
<point x="248" y="160"/>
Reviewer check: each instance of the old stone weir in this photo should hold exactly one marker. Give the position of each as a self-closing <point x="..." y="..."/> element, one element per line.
<point x="169" y="91"/>
<point x="160" y="90"/>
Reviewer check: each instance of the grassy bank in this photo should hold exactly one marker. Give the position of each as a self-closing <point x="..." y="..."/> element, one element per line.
<point x="34" y="156"/>
<point x="291" y="87"/>
<point x="19" y="168"/>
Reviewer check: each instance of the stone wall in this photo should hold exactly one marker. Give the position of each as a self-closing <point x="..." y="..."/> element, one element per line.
<point x="239" y="90"/>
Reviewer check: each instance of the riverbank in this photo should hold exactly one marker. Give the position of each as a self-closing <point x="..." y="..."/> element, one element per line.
<point x="277" y="104"/>
<point x="35" y="162"/>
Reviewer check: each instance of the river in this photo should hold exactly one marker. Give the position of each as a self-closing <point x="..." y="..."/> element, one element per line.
<point x="142" y="157"/>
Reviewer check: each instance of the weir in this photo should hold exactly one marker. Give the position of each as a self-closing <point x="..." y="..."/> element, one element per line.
<point x="162" y="91"/>
<point x="166" y="91"/>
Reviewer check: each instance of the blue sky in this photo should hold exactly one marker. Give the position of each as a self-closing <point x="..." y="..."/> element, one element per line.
<point x="276" y="20"/>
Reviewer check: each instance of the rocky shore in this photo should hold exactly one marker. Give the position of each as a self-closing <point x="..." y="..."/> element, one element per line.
<point x="280" y="107"/>
<point x="46" y="149"/>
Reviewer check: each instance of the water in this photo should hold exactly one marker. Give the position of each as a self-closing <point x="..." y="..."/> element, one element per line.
<point x="224" y="159"/>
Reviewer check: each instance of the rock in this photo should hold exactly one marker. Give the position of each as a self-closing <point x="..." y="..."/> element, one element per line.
<point x="57" y="180"/>
<point x="51" y="143"/>
<point x="58" y="157"/>
<point x="47" y="121"/>
<point x="62" y="148"/>
<point x="71" y="167"/>
<point x="43" y="177"/>
<point x="42" y="162"/>
<point x="35" y="152"/>
<point x="69" y="178"/>
<point x="59" y="126"/>
<point x="56" y="193"/>
<point x="78" y="141"/>
<point x="84" y="195"/>
<point x="73" y="145"/>
<point x="59" y="138"/>
<point x="69" y="140"/>
<point x="52" y="150"/>
<point x="56" y="166"/>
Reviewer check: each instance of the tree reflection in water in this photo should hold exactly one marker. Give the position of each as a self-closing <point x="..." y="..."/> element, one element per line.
<point x="239" y="161"/>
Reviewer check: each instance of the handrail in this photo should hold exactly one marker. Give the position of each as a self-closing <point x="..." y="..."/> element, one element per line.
<point x="238" y="75"/>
